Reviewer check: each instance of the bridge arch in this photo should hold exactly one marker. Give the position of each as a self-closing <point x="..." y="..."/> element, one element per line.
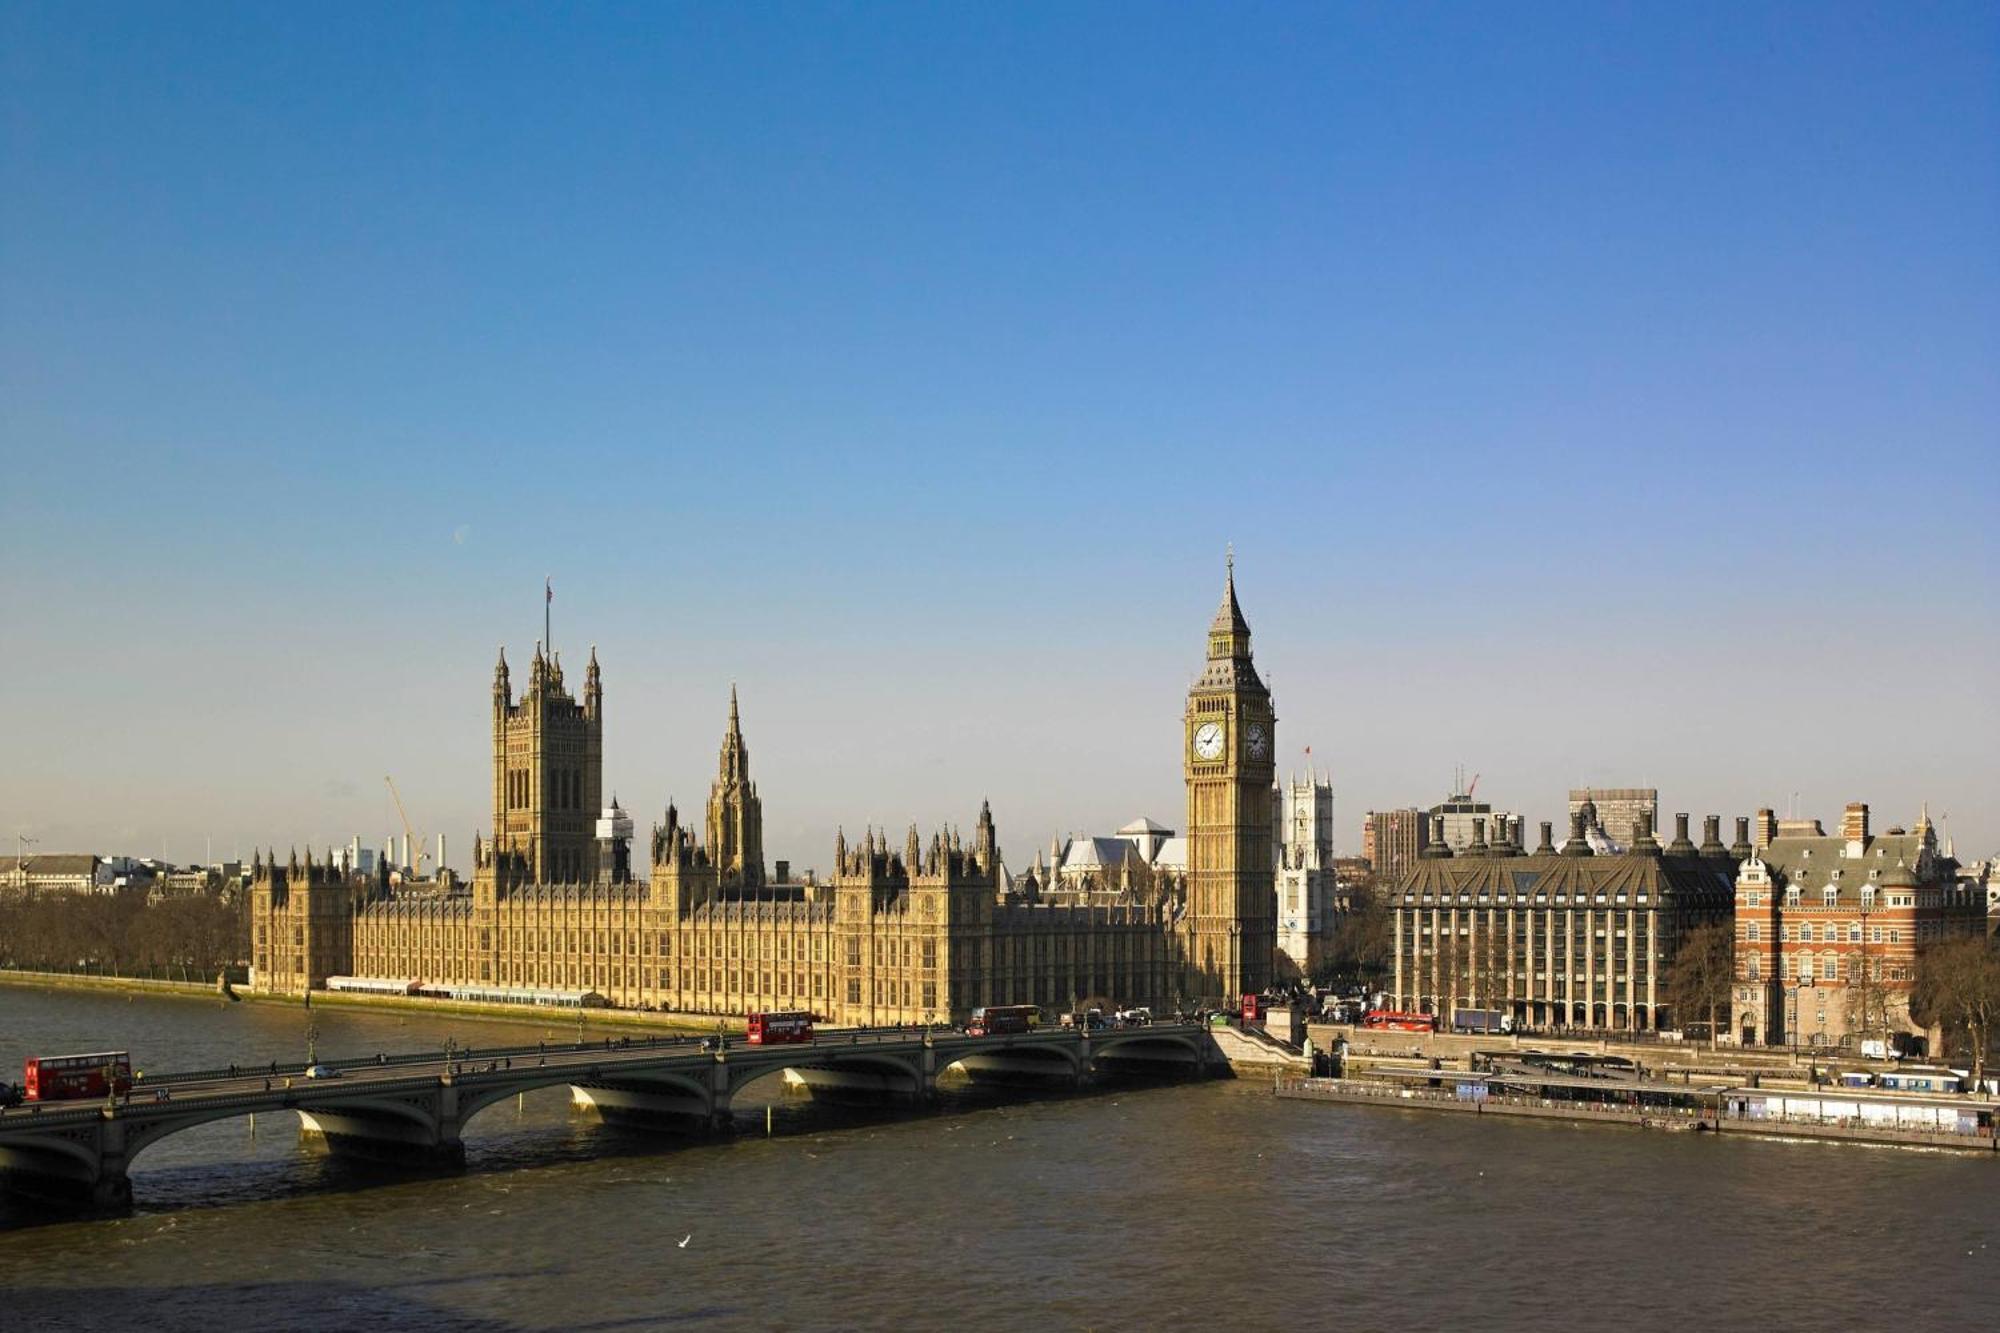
<point x="145" y="1133"/>
<point x="65" y="1156"/>
<point x="473" y="1100"/>
<point x="1141" y="1045"/>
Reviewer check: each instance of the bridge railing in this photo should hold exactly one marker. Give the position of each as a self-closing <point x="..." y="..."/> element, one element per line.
<point x="628" y="1042"/>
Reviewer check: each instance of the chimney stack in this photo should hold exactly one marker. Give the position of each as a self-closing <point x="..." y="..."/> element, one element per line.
<point x="1548" y="843"/>
<point x="1643" y="841"/>
<point x="1854" y="824"/>
<point x="1437" y="848"/>
<point x="1577" y="845"/>
<point x="1682" y="844"/>
<point x="1711" y="836"/>
<point x="1741" y="849"/>
<point x="1767" y="829"/>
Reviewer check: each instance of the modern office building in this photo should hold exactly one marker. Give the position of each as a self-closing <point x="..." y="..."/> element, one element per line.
<point x="1558" y="937"/>
<point x="1392" y="840"/>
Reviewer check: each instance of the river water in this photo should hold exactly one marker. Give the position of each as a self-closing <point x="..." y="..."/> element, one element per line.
<point x="1135" y="1208"/>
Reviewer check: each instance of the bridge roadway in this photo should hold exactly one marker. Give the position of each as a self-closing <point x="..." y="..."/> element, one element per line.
<point x="414" y="1107"/>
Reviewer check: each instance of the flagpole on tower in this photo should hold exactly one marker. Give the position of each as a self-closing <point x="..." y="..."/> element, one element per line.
<point x="548" y="596"/>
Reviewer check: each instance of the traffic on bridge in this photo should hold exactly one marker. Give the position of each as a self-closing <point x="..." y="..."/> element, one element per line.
<point x="81" y="1120"/>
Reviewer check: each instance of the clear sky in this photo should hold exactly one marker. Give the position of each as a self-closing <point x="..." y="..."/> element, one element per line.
<point x="1592" y="393"/>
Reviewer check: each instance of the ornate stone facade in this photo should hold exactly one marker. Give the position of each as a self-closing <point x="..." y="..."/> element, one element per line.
<point x="548" y="765"/>
<point x="1228" y="747"/>
<point x="735" y="815"/>
<point x="927" y="931"/>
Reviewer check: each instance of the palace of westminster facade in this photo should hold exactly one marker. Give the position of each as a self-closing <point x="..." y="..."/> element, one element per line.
<point x="924" y="931"/>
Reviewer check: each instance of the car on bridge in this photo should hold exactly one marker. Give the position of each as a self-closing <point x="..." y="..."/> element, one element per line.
<point x="322" y="1071"/>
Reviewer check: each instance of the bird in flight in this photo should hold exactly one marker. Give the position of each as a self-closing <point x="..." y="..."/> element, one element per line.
<point x="685" y="1239"/>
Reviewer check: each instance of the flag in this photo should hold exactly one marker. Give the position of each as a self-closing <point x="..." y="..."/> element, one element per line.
<point x="548" y="591"/>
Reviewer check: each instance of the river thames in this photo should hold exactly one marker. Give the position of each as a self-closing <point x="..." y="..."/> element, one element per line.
<point x="1132" y="1208"/>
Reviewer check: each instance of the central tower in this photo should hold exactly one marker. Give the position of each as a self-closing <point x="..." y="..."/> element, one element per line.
<point x="1228" y="741"/>
<point x="548" y="769"/>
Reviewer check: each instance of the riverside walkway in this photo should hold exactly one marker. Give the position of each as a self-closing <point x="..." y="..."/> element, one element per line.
<point x="1838" y="1115"/>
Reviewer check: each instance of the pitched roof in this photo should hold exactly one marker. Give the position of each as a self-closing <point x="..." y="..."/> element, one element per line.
<point x="1812" y="860"/>
<point x="57" y="863"/>
<point x="1701" y="878"/>
<point x="1143" y="825"/>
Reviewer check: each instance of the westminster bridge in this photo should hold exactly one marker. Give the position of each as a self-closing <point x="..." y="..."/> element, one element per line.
<point x="414" y="1108"/>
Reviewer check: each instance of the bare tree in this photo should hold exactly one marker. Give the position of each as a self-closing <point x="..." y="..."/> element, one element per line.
<point x="1958" y="989"/>
<point x="1363" y="942"/>
<point x="1702" y="976"/>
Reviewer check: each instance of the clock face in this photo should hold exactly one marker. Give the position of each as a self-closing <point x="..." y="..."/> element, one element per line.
<point x="1208" y="740"/>
<point x="1256" y="741"/>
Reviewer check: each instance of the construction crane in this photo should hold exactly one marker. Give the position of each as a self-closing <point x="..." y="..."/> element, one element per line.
<point x="1473" y="788"/>
<point x="416" y="844"/>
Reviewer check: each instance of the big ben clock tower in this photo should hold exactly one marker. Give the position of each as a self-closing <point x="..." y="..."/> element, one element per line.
<point x="1228" y="743"/>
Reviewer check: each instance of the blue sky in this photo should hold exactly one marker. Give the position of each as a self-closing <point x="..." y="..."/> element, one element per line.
<point x="1592" y="393"/>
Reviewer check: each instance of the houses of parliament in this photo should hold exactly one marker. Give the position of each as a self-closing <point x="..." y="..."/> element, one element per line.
<point x="911" y="930"/>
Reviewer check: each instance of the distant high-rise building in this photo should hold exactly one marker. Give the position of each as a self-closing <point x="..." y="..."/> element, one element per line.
<point x="1619" y="809"/>
<point x="1459" y="814"/>
<point x="1392" y="839"/>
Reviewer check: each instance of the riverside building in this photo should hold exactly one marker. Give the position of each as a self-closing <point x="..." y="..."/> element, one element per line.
<point x="1828" y="929"/>
<point x="1559" y="937"/>
<point x="903" y="931"/>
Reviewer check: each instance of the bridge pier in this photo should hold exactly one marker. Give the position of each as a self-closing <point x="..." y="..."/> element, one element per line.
<point x="80" y="1166"/>
<point x="862" y="1087"/>
<point x="421" y="1129"/>
<point x="649" y="1108"/>
<point x="379" y="1140"/>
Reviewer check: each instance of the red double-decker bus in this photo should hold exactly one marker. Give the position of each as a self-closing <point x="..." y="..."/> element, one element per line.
<point x="775" y="1029"/>
<point x="996" y="1019"/>
<point x="63" y="1078"/>
<point x="1253" y="1008"/>
<point x="1397" y="1021"/>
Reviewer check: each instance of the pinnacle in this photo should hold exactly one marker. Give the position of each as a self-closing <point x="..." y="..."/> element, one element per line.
<point x="1229" y="616"/>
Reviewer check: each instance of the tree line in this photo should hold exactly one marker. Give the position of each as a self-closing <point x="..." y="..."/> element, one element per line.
<point x="195" y="935"/>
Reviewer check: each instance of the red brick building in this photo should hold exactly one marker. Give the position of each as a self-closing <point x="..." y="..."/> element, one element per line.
<point x="1828" y="929"/>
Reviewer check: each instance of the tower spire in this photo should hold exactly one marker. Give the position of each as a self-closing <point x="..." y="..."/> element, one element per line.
<point x="1229" y="632"/>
